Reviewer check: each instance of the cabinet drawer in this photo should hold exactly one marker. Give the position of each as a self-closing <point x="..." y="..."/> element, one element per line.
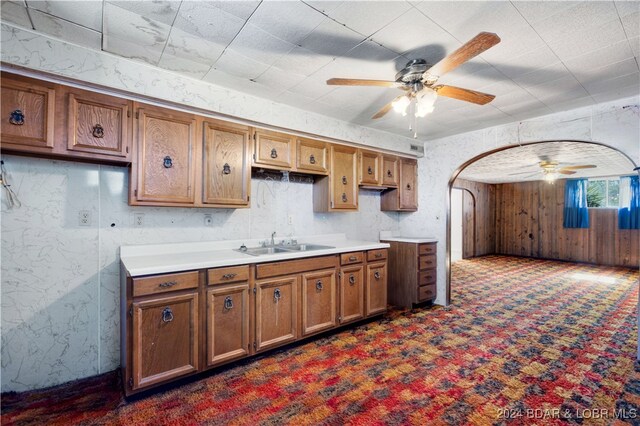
<point x="428" y="248"/>
<point x="267" y="270"/>
<point x="228" y="275"/>
<point x="376" y="254"/>
<point x="163" y="283"/>
<point x="427" y="277"/>
<point x="428" y="261"/>
<point x="426" y="292"/>
<point x="351" y="258"/>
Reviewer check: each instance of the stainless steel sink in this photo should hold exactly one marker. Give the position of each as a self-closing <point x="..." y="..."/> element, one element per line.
<point x="258" y="251"/>
<point x="308" y="247"/>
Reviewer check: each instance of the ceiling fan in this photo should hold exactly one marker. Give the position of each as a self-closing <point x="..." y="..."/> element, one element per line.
<point x="418" y="79"/>
<point x="550" y="170"/>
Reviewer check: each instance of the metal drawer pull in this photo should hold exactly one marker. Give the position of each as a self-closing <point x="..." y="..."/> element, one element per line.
<point x="319" y="285"/>
<point x="352" y="279"/>
<point x="167" y="162"/>
<point x="167" y="315"/>
<point x="226" y="169"/>
<point x="352" y="258"/>
<point x="167" y="284"/>
<point x="369" y="170"/>
<point x="344" y="180"/>
<point x="274" y="153"/>
<point x="16" y="117"/>
<point x="277" y="295"/>
<point x="376" y="275"/>
<point x="228" y="276"/>
<point x="344" y="197"/>
<point x="312" y="159"/>
<point x="378" y="255"/>
<point x="97" y="131"/>
<point x="228" y="302"/>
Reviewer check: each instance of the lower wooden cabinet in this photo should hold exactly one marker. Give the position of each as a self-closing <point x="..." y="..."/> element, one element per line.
<point x="376" y="293"/>
<point x="164" y="339"/>
<point x="351" y="293"/>
<point x="227" y="323"/>
<point x="412" y="273"/>
<point x="318" y="301"/>
<point x="276" y="312"/>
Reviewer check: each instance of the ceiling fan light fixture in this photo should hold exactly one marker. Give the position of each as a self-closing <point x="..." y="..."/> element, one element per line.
<point x="550" y="175"/>
<point x="401" y="104"/>
<point x="425" y="100"/>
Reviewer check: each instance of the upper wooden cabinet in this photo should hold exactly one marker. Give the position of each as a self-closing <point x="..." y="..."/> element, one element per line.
<point x="227" y="164"/>
<point x="339" y="190"/>
<point x="98" y="124"/>
<point x="389" y="170"/>
<point x="165" y="164"/>
<point x="369" y="170"/>
<point x="405" y="197"/>
<point x="312" y="156"/>
<point x="273" y="149"/>
<point x="28" y="111"/>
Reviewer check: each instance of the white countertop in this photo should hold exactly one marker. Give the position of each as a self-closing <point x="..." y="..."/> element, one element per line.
<point x="162" y="258"/>
<point x="390" y="236"/>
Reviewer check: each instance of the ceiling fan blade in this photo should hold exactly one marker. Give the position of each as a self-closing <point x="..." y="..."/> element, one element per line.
<point x="586" y="166"/>
<point x="463" y="94"/>
<point x="360" y="82"/>
<point x="469" y="50"/>
<point x="566" y="172"/>
<point x="385" y="109"/>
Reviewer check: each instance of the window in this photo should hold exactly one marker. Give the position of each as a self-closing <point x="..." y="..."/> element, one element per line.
<point x="603" y="192"/>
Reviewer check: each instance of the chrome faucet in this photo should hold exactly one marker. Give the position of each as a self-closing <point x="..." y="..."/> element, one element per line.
<point x="273" y="235"/>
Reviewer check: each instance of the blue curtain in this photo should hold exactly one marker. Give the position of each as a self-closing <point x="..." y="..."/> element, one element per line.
<point x="576" y="213"/>
<point x="629" y="212"/>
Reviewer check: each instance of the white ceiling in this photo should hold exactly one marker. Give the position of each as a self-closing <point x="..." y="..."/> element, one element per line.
<point x="553" y="55"/>
<point x="521" y="163"/>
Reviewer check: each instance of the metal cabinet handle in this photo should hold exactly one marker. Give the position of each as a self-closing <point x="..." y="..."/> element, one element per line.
<point x="352" y="279"/>
<point x="167" y="162"/>
<point x="277" y="295"/>
<point x="16" y="117"/>
<point x="97" y="131"/>
<point x="378" y="255"/>
<point x="319" y="286"/>
<point x="369" y="170"/>
<point x="352" y="258"/>
<point x="167" y="315"/>
<point x="344" y="197"/>
<point x="167" y="284"/>
<point x="312" y="159"/>
<point x="226" y="169"/>
<point x="376" y="275"/>
<point x="274" y="153"/>
<point x="389" y="174"/>
<point x="344" y="180"/>
<point x="228" y="276"/>
<point x="408" y="187"/>
<point x="228" y="302"/>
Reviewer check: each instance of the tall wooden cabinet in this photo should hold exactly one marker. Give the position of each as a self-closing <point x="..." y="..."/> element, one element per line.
<point x="412" y="272"/>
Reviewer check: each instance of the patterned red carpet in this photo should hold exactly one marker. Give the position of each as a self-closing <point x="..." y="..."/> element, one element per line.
<point x="525" y="342"/>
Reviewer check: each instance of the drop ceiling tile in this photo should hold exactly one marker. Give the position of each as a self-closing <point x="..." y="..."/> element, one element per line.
<point x="613" y="83"/>
<point x="86" y="13"/>
<point x="204" y="20"/>
<point x="65" y="30"/>
<point x="224" y="79"/>
<point x="586" y="40"/>
<point x="516" y="66"/>
<point x="15" y="13"/>
<point x="324" y="6"/>
<point x="368" y="17"/>
<point x="626" y="7"/>
<point x="242" y="9"/>
<point x="239" y="65"/>
<point x="582" y="17"/>
<point x="617" y="69"/>
<point x="331" y="39"/>
<point x="294" y="99"/>
<point x="289" y="21"/>
<point x="183" y="66"/>
<point x="301" y="61"/>
<point x="187" y="46"/>
<point x="618" y="93"/>
<point x="599" y="58"/>
<point x="635" y="46"/>
<point x="551" y="72"/>
<point x="514" y="44"/>
<point x="312" y="88"/>
<point x="260" y="45"/>
<point x="631" y="24"/>
<point x="521" y="108"/>
<point x="158" y="10"/>
<point x="362" y="99"/>
<point x="515" y="97"/>
<point x="133" y="50"/>
<point x="571" y="104"/>
<point x="534" y="11"/>
<point x="473" y="81"/>
<point x="134" y="29"/>
<point x="22" y="3"/>
<point x="279" y="80"/>
<point x="564" y="87"/>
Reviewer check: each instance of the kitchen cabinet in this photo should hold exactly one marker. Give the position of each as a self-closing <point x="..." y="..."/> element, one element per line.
<point x="339" y="190"/>
<point x="227" y="164"/>
<point x="369" y="171"/>
<point x="273" y="150"/>
<point x="28" y="111"/>
<point x="227" y="323"/>
<point x="318" y="301"/>
<point x="351" y="293"/>
<point x="405" y="197"/>
<point x="389" y="171"/>
<point x="312" y="156"/>
<point x="412" y="273"/>
<point x="376" y="291"/>
<point x="164" y="167"/>
<point x="276" y="312"/>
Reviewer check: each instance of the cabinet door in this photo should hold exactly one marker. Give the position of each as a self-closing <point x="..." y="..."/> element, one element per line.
<point x="98" y="124"/>
<point x="312" y="156"/>
<point x="273" y="149"/>
<point x="227" y="323"/>
<point x="351" y="293"/>
<point x="389" y="171"/>
<point x="408" y="184"/>
<point x="27" y="114"/>
<point x="165" y="339"/>
<point x="166" y="156"/>
<point x="276" y="312"/>
<point x="376" y="288"/>
<point x="318" y="301"/>
<point x="370" y="168"/>
<point x="227" y="167"/>
<point x="344" y="187"/>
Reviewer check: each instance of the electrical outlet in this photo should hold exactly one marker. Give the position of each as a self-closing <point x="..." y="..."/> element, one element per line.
<point x="84" y="218"/>
<point x="208" y="220"/>
<point x="290" y="219"/>
<point x="138" y="220"/>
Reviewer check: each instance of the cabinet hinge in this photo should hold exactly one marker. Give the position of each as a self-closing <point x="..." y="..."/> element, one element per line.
<point x="135" y="192"/>
<point x="339" y="274"/>
<point x="127" y="149"/>
<point x="248" y="198"/>
<point x="254" y="138"/>
<point x="254" y="156"/>
<point x="254" y="292"/>
<point x="137" y="115"/>
<point x="254" y="345"/>
<point x="131" y="382"/>
<point x="128" y="113"/>
<point x="332" y="204"/>
<point x="131" y="311"/>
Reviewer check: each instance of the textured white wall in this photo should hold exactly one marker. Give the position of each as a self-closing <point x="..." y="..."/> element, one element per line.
<point x="614" y="123"/>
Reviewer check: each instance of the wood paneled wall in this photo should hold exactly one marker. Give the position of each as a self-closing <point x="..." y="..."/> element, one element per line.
<point x="528" y="222"/>
<point x="478" y="220"/>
